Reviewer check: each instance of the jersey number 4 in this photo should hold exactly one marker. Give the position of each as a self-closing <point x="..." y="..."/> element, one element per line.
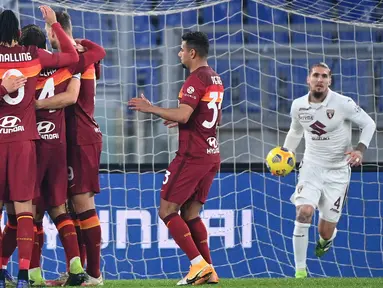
<point x="48" y="91"/>
<point x="212" y="105"/>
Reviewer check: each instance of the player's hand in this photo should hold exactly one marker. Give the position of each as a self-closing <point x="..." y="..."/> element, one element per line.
<point x="170" y="124"/>
<point x="37" y="104"/>
<point x="142" y="96"/>
<point x="80" y="48"/>
<point x="11" y="84"/>
<point x="140" y="104"/>
<point x="355" y="158"/>
<point x="48" y="14"/>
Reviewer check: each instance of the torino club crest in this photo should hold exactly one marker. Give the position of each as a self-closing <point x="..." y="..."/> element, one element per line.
<point x="330" y="113"/>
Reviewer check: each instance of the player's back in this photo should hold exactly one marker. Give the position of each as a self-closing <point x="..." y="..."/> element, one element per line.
<point x="51" y="123"/>
<point x="82" y="129"/>
<point x="203" y="90"/>
<point x="17" y="109"/>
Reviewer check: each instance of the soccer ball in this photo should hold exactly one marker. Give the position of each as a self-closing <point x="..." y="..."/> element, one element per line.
<point x="280" y="161"/>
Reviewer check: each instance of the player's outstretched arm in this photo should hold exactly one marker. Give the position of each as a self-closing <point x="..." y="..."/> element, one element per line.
<point x="68" y="54"/>
<point x="63" y="99"/>
<point x="358" y="116"/>
<point x="295" y="133"/>
<point x="179" y="115"/>
<point x="9" y="85"/>
<point x="93" y="54"/>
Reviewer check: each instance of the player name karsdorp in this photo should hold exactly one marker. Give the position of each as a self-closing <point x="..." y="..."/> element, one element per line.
<point x="15" y="57"/>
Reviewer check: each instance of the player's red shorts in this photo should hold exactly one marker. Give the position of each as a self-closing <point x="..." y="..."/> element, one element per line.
<point x="52" y="175"/>
<point x="17" y="171"/>
<point x="83" y="168"/>
<point x="184" y="181"/>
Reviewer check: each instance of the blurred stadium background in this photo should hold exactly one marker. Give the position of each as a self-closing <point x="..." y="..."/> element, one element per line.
<point x="262" y="50"/>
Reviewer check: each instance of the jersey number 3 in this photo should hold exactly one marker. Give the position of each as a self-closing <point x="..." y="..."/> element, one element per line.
<point x="48" y="91"/>
<point x="212" y="105"/>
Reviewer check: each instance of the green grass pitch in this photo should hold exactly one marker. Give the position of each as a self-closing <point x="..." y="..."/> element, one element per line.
<point x="261" y="282"/>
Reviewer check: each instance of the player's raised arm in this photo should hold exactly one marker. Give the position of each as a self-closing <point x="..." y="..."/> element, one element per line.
<point x="295" y="133"/>
<point x="94" y="53"/>
<point x="63" y="99"/>
<point x="358" y="116"/>
<point x="68" y="54"/>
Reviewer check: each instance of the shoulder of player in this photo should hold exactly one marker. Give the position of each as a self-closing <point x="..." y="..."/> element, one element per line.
<point x="342" y="101"/>
<point x="300" y="102"/>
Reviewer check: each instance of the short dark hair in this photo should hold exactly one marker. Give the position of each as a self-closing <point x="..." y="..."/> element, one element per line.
<point x="320" y="64"/>
<point x="33" y="35"/>
<point x="198" y="41"/>
<point x="9" y="27"/>
<point x="64" y="19"/>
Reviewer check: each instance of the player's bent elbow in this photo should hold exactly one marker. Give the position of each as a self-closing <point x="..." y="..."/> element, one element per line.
<point x="373" y="125"/>
<point x="72" y="100"/>
<point x="103" y="53"/>
<point x="183" y="120"/>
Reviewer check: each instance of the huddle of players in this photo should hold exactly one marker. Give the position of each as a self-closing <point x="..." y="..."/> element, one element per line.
<point x="36" y="85"/>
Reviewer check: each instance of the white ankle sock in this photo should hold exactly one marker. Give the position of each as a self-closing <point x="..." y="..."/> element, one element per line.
<point x="196" y="260"/>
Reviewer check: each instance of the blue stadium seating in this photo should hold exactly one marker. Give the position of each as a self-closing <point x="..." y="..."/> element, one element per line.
<point x="253" y="86"/>
<point x="246" y="76"/>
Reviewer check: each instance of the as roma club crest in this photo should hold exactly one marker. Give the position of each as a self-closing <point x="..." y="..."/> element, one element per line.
<point x="330" y="113"/>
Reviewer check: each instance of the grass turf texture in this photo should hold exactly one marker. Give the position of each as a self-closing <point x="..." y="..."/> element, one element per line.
<point x="266" y="283"/>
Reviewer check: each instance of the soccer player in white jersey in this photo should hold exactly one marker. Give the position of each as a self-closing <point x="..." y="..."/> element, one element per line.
<point x="325" y="119"/>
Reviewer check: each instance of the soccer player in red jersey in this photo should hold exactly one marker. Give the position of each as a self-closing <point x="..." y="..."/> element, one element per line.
<point x="190" y="175"/>
<point x="56" y="89"/>
<point x="84" y="145"/>
<point x="18" y="126"/>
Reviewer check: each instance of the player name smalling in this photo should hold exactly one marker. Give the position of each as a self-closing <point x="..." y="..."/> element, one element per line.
<point x="15" y="57"/>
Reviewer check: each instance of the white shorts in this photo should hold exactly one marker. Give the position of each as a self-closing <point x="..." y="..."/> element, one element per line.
<point x="325" y="189"/>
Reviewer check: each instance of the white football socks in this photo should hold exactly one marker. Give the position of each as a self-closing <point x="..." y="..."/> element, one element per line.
<point x="300" y="244"/>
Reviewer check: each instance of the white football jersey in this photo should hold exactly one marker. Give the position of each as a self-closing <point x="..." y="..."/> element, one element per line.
<point x="327" y="128"/>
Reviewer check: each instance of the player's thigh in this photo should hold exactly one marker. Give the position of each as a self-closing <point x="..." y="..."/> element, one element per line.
<point x="204" y="185"/>
<point x="22" y="170"/>
<point x="83" y="168"/>
<point x="309" y="188"/>
<point x="3" y="170"/>
<point x="334" y="194"/>
<point x="55" y="183"/>
<point x="181" y="180"/>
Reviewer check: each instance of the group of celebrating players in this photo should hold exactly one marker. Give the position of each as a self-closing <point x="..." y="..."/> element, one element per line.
<point x="47" y="125"/>
<point x="41" y="141"/>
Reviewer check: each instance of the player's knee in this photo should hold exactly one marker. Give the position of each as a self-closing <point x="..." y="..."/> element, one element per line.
<point x="188" y="215"/>
<point x="83" y="202"/>
<point x="305" y="213"/>
<point x="56" y="211"/>
<point x="165" y="211"/>
<point x="39" y="217"/>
